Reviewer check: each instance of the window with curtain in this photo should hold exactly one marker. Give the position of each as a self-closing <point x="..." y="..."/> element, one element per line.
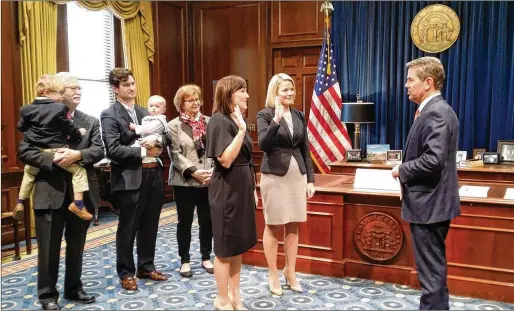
<point x="91" y="55"/>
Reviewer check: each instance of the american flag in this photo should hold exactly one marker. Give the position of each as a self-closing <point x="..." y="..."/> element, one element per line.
<point x="328" y="137"/>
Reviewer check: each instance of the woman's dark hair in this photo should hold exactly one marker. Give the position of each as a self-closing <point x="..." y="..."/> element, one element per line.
<point x="225" y="87"/>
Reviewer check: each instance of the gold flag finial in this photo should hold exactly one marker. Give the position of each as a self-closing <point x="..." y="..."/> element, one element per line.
<point x="327" y="7"/>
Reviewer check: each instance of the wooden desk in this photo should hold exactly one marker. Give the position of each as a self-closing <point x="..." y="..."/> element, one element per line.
<point x="491" y="173"/>
<point x="340" y="218"/>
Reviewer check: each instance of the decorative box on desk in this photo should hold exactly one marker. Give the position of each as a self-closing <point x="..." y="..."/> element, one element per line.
<point x="495" y="173"/>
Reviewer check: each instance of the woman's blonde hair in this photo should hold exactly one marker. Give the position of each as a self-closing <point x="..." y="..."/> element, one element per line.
<point x="183" y="92"/>
<point x="273" y="88"/>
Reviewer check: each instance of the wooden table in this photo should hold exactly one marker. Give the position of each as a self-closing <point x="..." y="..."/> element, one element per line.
<point x="495" y="173"/>
<point x="361" y="234"/>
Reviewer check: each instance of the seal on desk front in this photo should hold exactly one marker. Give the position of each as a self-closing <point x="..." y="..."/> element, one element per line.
<point x="378" y="236"/>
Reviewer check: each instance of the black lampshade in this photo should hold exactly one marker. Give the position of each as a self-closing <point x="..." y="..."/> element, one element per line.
<point x="358" y="113"/>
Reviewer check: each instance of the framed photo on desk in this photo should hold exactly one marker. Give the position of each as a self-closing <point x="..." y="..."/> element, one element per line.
<point x="506" y="151"/>
<point x="490" y="158"/>
<point x="353" y="155"/>
<point x="478" y="153"/>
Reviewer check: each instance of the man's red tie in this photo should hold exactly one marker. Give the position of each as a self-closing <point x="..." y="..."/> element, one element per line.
<point x="416" y="114"/>
<point x="68" y="115"/>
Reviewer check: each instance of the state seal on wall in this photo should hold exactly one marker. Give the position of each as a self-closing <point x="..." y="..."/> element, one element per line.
<point x="435" y="28"/>
<point x="378" y="236"/>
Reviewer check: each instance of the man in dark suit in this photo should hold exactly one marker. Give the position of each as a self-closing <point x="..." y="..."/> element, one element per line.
<point x="428" y="177"/>
<point x="137" y="186"/>
<point x="53" y="193"/>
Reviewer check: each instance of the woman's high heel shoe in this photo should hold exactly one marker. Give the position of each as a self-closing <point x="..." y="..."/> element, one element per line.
<point x="277" y="291"/>
<point x="234" y="303"/>
<point x="219" y="306"/>
<point x="296" y="288"/>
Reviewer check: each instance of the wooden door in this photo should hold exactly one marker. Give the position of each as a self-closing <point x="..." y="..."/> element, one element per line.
<point x="301" y="64"/>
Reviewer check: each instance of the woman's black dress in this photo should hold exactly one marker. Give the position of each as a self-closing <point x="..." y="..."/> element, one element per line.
<point x="231" y="190"/>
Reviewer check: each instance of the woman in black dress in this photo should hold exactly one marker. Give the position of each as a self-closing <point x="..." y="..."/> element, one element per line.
<point x="232" y="195"/>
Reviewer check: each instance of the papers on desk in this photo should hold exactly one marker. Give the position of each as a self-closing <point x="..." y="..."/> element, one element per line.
<point x="378" y="180"/>
<point x="473" y="191"/>
<point x="509" y="194"/>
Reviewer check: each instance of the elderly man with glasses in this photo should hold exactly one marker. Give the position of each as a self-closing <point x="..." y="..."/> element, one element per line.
<point x="53" y="194"/>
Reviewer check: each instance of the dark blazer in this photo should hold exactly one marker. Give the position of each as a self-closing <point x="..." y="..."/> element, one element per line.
<point x="45" y="124"/>
<point x="428" y="174"/>
<point x="126" y="161"/>
<point x="279" y="144"/>
<point x="52" y="182"/>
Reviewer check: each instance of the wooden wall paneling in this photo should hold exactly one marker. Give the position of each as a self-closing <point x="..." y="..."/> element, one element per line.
<point x="119" y="59"/>
<point x="230" y="38"/>
<point x="301" y="64"/>
<point x="171" y="61"/>
<point x="171" y="67"/>
<point x="63" y="63"/>
<point x="11" y="86"/>
<point x="299" y="22"/>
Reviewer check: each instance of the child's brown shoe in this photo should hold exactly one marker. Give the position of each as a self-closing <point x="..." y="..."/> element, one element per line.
<point x="17" y="213"/>
<point x="82" y="213"/>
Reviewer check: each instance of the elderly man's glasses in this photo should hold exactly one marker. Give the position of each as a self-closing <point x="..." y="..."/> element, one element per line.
<point x="74" y="88"/>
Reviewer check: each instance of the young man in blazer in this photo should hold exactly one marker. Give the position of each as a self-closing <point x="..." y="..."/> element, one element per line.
<point x="138" y="187"/>
<point x="428" y="177"/>
<point x="53" y="193"/>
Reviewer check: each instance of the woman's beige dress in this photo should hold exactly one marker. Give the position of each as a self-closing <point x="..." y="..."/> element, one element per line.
<point x="284" y="197"/>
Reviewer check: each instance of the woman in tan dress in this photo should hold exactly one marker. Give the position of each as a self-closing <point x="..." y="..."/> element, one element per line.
<point x="287" y="176"/>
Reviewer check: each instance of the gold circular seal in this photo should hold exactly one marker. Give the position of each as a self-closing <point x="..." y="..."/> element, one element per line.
<point x="378" y="237"/>
<point x="435" y="28"/>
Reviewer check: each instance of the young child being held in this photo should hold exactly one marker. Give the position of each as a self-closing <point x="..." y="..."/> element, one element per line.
<point x="48" y="126"/>
<point x="155" y="122"/>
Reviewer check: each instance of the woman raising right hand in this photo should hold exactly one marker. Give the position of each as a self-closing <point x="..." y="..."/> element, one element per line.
<point x="232" y="188"/>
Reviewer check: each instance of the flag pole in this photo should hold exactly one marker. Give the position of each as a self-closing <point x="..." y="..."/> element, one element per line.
<point x="326" y="6"/>
<point x="328" y="137"/>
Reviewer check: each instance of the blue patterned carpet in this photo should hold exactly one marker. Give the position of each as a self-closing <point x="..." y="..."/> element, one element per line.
<point x="19" y="289"/>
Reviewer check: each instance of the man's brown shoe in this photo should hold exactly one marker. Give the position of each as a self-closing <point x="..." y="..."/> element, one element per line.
<point x="154" y="275"/>
<point x="82" y="213"/>
<point x="17" y="213"/>
<point x="129" y="283"/>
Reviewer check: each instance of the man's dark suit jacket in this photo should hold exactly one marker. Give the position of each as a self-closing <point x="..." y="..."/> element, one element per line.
<point x="126" y="161"/>
<point x="46" y="125"/>
<point x="279" y="145"/>
<point x="428" y="174"/>
<point x="52" y="181"/>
